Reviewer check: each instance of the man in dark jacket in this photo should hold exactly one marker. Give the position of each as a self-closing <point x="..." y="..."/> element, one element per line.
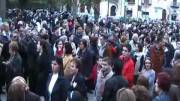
<point x="114" y="83"/>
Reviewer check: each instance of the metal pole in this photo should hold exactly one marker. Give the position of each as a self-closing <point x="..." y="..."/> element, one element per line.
<point x="108" y="8"/>
<point x="138" y="9"/>
<point x="124" y="8"/>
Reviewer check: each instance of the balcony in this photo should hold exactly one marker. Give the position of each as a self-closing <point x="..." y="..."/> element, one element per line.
<point x="146" y="2"/>
<point x="131" y="1"/>
<point x="175" y="5"/>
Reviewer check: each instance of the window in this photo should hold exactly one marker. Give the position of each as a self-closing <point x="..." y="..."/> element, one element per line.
<point x="146" y="2"/>
<point x="129" y="13"/>
<point x="173" y="17"/>
<point x="174" y="2"/>
<point x="131" y="1"/>
<point x="145" y="13"/>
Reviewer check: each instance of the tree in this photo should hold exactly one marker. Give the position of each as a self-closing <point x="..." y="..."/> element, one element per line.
<point x="23" y="3"/>
<point x="96" y="6"/>
<point x="74" y="8"/>
<point x="2" y="8"/>
<point x="87" y="3"/>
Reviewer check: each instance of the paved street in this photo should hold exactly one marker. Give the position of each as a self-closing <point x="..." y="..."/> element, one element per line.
<point x="90" y="96"/>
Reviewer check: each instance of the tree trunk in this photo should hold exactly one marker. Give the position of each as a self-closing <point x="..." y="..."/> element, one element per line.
<point x="74" y="8"/>
<point x="89" y="8"/>
<point x="3" y="8"/>
<point x="23" y="3"/>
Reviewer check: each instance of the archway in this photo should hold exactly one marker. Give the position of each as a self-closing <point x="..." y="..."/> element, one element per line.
<point x="113" y="11"/>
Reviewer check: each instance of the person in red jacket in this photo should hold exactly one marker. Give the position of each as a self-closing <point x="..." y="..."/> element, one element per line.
<point x="128" y="65"/>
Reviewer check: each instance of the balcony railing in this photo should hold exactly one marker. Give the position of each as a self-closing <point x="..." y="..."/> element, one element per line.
<point x="131" y="1"/>
<point x="175" y="5"/>
<point x="146" y="2"/>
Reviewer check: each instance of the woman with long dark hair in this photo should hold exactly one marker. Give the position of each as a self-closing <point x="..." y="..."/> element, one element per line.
<point x="57" y="86"/>
<point x="43" y="66"/>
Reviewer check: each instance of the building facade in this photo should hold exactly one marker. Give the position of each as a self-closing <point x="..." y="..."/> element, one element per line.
<point x="144" y="9"/>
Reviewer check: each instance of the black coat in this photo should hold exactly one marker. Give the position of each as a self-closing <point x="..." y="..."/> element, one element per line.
<point x="81" y="86"/>
<point x="87" y="62"/>
<point x="30" y="96"/>
<point x="14" y="67"/>
<point x="111" y="87"/>
<point x="42" y="71"/>
<point x="168" y="55"/>
<point x="31" y="61"/>
<point x="60" y="89"/>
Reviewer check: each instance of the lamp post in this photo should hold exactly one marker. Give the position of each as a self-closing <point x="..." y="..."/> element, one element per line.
<point x="108" y="9"/>
<point x="125" y="4"/>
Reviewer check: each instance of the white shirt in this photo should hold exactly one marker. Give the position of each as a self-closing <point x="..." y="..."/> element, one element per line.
<point x="52" y="82"/>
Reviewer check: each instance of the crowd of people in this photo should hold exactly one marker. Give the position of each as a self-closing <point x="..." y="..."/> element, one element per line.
<point x="63" y="58"/>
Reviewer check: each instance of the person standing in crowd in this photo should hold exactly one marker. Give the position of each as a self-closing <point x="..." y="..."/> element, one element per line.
<point x="78" y="35"/>
<point x="43" y="66"/>
<point x="31" y="60"/>
<point x="57" y="85"/>
<point x="6" y="32"/>
<point x="125" y="94"/>
<point x="141" y="93"/>
<point x="177" y="51"/>
<point x="68" y="56"/>
<point x="168" y="52"/>
<point x="77" y="81"/>
<point x="142" y="80"/>
<point x="59" y="48"/>
<point x="162" y="86"/>
<point x="71" y="24"/>
<point x="174" y="90"/>
<point x="128" y="65"/>
<point x="156" y="53"/>
<point x="3" y="57"/>
<point x="85" y="55"/>
<point x="73" y="45"/>
<point x="134" y="42"/>
<point x="102" y="45"/>
<point x="139" y="60"/>
<point x="19" y="91"/>
<point x="149" y="73"/>
<point x="94" y="73"/>
<point x="14" y="64"/>
<point x="103" y="75"/>
<point x="16" y="92"/>
<point x="146" y="45"/>
<point x="29" y="96"/>
<point x="114" y="83"/>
